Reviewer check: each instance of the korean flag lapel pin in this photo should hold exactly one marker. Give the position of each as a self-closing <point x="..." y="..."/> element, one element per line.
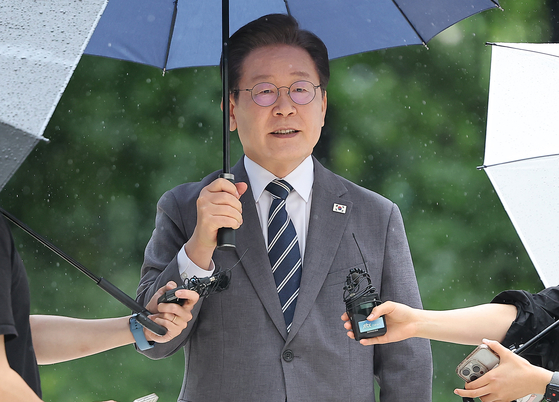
<point x="339" y="208"/>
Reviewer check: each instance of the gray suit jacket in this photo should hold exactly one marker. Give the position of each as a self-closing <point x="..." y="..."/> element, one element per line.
<point x="236" y="346"/>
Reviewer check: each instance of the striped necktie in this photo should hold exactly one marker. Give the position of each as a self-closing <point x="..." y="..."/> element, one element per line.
<point x="283" y="250"/>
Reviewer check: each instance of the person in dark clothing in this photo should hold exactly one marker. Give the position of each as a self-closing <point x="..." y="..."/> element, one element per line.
<point x="27" y="340"/>
<point x="511" y="319"/>
<point x="535" y="312"/>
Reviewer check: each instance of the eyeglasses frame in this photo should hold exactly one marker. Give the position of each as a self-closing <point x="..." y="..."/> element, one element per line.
<point x="236" y="91"/>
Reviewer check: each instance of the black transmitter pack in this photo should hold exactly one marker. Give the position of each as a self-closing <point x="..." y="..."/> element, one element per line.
<point x="360" y="298"/>
<point x="203" y="286"/>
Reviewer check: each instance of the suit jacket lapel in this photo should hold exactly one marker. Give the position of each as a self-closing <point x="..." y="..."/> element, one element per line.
<point x="256" y="262"/>
<point x="320" y="249"/>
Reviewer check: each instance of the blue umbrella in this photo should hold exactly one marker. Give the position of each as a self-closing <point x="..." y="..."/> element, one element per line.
<point x="173" y="34"/>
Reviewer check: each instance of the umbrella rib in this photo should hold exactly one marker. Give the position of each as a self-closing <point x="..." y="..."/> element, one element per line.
<point x="171" y="30"/>
<point x="498" y="5"/>
<point x="287" y="7"/>
<point x="525" y="50"/>
<point x="409" y="22"/>
<point x="517" y="160"/>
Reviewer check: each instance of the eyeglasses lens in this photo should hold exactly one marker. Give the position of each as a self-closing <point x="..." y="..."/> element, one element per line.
<point x="264" y="94"/>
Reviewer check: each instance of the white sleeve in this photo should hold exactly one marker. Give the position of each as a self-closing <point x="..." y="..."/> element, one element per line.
<point x="187" y="269"/>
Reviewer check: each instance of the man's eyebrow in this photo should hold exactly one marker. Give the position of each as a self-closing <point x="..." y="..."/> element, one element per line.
<point x="261" y="77"/>
<point x="264" y="77"/>
<point x="303" y="74"/>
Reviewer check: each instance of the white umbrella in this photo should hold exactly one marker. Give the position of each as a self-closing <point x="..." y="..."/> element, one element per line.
<point x="522" y="146"/>
<point x="41" y="43"/>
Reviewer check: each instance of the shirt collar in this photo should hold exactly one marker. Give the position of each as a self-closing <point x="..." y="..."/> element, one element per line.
<point x="301" y="178"/>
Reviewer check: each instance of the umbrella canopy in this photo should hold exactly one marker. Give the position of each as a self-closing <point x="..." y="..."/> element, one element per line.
<point x="173" y="34"/>
<point x="40" y="46"/>
<point x="42" y="42"/>
<point x="177" y="33"/>
<point x="522" y="146"/>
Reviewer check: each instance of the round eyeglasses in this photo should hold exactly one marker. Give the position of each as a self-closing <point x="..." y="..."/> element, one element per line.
<point x="266" y="94"/>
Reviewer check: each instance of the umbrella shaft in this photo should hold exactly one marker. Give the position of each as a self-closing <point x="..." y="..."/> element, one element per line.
<point x="49" y="245"/>
<point x="225" y="82"/>
<point x="101" y="282"/>
<point x="536" y="338"/>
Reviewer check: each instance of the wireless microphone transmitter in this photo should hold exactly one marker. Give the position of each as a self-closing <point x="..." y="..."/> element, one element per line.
<point x="359" y="304"/>
<point x="360" y="298"/>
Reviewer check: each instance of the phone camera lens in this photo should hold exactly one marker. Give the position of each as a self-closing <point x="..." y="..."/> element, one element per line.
<point x="476" y="369"/>
<point x="474" y="377"/>
<point x="465" y="372"/>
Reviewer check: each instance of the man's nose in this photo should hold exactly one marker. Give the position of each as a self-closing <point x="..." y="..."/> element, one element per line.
<point x="284" y="106"/>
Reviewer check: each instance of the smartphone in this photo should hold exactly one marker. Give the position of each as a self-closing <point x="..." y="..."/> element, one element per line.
<point x="479" y="362"/>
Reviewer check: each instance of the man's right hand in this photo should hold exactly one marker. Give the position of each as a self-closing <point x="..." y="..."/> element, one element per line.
<point x="218" y="206"/>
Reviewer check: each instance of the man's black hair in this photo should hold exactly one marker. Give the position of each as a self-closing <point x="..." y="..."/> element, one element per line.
<point x="270" y="30"/>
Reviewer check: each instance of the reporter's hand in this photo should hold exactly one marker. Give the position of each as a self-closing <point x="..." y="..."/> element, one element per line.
<point x="400" y="323"/>
<point x="513" y="378"/>
<point x="172" y="316"/>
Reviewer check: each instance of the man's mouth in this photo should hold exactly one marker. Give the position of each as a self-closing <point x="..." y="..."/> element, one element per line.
<point x="284" y="132"/>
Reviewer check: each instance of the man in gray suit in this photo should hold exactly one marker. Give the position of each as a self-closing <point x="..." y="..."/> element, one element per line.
<point x="251" y="342"/>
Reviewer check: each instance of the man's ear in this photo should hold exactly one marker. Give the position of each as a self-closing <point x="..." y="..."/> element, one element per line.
<point x="232" y="118"/>
<point x="324" y="106"/>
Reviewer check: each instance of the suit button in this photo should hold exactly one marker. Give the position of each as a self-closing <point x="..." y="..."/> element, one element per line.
<point x="288" y="355"/>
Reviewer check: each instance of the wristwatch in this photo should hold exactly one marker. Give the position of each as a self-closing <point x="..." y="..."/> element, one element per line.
<point x="552" y="390"/>
<point x="138" y="333"/>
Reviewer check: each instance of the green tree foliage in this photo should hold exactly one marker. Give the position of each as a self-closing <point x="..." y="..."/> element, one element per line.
<point x="408" y="123"/>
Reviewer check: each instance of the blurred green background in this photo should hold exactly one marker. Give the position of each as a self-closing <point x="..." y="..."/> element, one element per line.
<point x="408" y="123"/>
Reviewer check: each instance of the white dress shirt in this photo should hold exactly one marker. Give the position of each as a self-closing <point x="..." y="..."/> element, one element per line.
<point x="298" y="206"/>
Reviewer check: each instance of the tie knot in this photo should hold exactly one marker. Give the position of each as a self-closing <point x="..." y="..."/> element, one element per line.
<point x="279" y="188"/>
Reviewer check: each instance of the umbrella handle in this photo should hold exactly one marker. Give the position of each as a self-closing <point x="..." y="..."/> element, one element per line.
<point x="226" y="236"/>
<point x="143" y="319"/>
